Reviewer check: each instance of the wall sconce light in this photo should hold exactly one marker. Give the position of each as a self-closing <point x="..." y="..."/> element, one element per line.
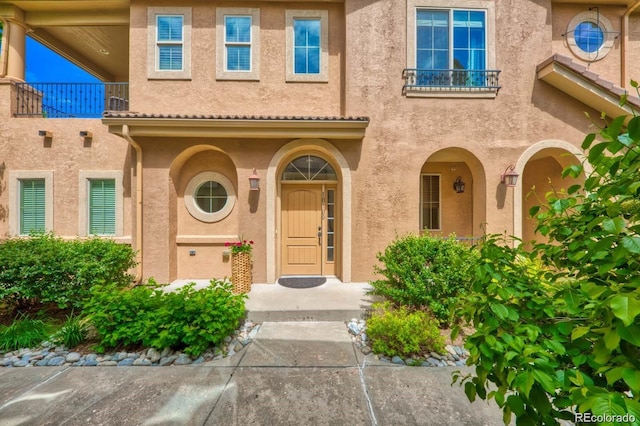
<point x="458" y="185"/>
<point x="254" y="181"/>
<point x="45" y="133"/>
<point x="86" y="134"/>
<point x="509" y="177"/>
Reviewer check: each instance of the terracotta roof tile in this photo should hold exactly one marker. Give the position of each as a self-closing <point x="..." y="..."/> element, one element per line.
<point x="129" y="114"/>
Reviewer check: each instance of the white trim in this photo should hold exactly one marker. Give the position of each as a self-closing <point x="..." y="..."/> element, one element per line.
<point x="14" y="197"/>
<point x="344" y="185"/>
<point x="605" y="27"/>
<point x="192" y="206"/>
<point x="221" y="51"/>
<point x="84" y="176"/>
<point x="152" y="43"/>
<point x="522" y="162"/>
<point x="323" y="16"/>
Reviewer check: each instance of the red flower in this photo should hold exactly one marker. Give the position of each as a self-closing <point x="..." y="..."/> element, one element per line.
<point x="251" y="242"/>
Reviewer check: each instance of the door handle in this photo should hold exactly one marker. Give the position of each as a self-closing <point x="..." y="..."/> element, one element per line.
<point x="319" y="235"/>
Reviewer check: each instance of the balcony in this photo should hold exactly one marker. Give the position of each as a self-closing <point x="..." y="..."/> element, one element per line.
<point x="69" y="100"/>
<point x="450" y="83"/>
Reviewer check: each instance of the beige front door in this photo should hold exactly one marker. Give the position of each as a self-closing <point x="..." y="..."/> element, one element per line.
<point x="302" y="230"/>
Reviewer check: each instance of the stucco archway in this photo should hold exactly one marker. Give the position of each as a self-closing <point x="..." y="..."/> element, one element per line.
<point x="450" y="163"/>
<point x="548" y="151"/>
<point x="285" y="153"/>
<point x="197" y="238"/>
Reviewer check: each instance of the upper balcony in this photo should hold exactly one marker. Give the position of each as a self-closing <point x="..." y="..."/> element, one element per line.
<point x="68" y="100"/>
<point x="450" y="82"/>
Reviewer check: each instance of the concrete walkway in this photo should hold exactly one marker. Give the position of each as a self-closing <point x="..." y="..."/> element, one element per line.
<point x="293" y="373"/>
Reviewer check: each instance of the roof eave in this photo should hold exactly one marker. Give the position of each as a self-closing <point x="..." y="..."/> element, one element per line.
<point x="238" y="128"/>
<point x="584" y="89"/>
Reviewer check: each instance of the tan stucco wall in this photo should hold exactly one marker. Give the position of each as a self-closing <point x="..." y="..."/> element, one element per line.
<point x="271" y="95"/>
<point x="66" y="153"/>
<point x="405" y="132"/>
<point x="404" y="139"/>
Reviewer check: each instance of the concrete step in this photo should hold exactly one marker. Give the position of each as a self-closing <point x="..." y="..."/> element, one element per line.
<point x="332" y="301"/>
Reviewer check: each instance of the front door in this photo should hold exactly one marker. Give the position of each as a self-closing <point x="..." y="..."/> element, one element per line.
<point x="302" y="230"/>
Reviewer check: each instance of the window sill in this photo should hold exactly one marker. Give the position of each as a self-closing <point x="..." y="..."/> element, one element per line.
<point x="457" y="92"/>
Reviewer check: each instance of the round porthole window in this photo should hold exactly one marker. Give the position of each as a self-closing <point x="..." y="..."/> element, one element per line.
<point x="209" y="197"/>
<point x="590" y="36"/>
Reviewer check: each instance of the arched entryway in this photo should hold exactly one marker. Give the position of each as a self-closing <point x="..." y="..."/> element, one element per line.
<point x="452" y="194"/>
<point x="308" y="211"/>
<point x="540" y="168"/>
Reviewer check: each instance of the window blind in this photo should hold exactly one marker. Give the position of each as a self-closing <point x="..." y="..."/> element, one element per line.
<point x="32" y="206"/>
<point x="102" y="206"/>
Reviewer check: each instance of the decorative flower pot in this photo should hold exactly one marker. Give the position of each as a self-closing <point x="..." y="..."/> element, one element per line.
<point x="241" y="272"/>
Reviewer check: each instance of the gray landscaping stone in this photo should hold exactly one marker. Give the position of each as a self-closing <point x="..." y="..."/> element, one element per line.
<point x="73" y="357"/>
<point x="56" y="361"/>
<point x="21" y="363"/>
<point x="153" y="355"/>
<point x="198" y="360"/>
<point x="167" y="360"/>
<point x="91" y="362"/>
<point x="107" y="364"/>
<point x="142" y="362"/>
<point x="127" y="362"/>
<point x="397" y="360"/>
<point x="42" y="363"/>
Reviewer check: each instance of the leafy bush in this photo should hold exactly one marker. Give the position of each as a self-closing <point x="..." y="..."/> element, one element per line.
<point x="23" y="332"/>
<point x="188" y="319"/>
<point x="44" y="268"/>
<point x="423" y="271"/>
<point x="73" y="332"/>
<point x="402" y="332"/>
<point x="545" y="352"/>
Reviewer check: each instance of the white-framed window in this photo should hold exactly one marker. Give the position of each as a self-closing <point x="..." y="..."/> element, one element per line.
<point x="237" y="43"/>
<point x="169" y="43"/>
<point x="451" y="49"/>
<point x="430" y="203"/>
<point x="209" y="197"/>
<point x="31" y="202"/>
<point x="590" y="36"/>
<point x="100" y="199"/>
<point x="307" y="45"/>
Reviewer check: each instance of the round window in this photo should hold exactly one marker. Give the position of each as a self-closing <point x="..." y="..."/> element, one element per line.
<point x="589" y="36"/>
<point x="209" y="197"/>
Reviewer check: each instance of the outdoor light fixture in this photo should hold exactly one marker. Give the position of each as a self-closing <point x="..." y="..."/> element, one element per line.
<point x="509" y="177"/>
<point x="45" y="133"/>
<point x="458" y="185"/>
<point x="254" y="181"/>
<point x="86" y="134"/>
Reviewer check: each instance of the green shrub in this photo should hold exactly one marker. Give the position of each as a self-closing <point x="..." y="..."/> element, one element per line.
<point x="402" y="332"/>
<point x="24" y="332"/>
<point x="188" y="319"/>
<point x="73" y="332"/>
<point x="423" y="271"/>
<point x="45" y="268"/>
<point x="546" y="352"/>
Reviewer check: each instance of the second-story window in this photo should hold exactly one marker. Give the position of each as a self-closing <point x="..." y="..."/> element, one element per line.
<point x="237" y="43"/>
<point x="306" y="46"/>
<point x="451" y="39"/>
<point x="451" y="50"/>
<point x="170" y="42"/>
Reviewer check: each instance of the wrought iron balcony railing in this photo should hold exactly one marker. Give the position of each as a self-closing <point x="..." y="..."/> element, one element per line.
<point x="416" y="80"/>
<point x="69" y="100"/>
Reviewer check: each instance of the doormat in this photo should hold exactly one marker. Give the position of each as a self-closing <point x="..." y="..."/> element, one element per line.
<point x="301" y="282"/>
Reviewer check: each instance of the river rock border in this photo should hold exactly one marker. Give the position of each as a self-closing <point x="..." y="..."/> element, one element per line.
<point x="48" y="355"/>
<point x="455" y="356"/>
